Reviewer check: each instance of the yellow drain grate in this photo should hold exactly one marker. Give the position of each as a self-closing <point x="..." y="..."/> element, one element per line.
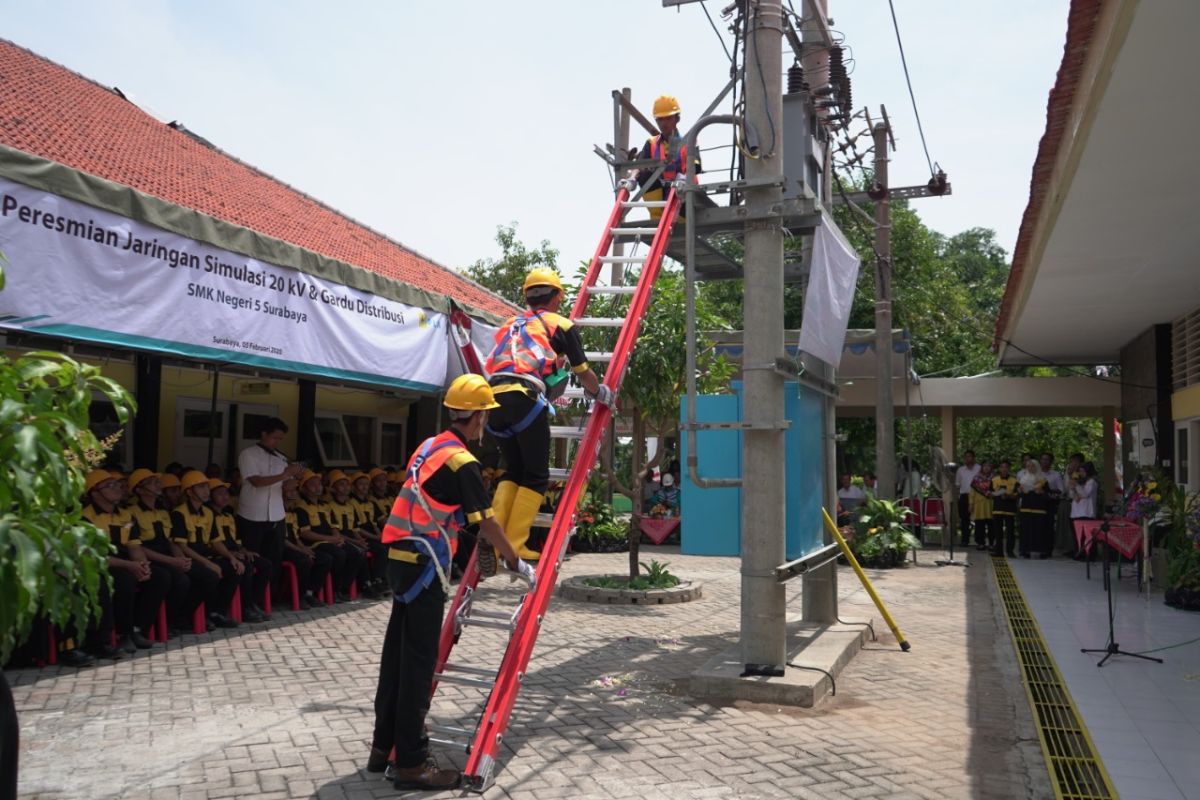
<point x="1076" y="772"/>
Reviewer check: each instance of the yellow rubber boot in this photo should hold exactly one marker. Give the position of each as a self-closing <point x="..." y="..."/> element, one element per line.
<point x="502" y="501"/>
<point x="516" y="529"/>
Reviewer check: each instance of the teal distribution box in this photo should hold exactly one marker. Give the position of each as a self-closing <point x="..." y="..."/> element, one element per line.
<point x="712" y="518"/>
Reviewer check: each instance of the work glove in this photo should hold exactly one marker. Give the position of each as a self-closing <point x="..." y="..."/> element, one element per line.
<point x="605" y="396"/>
<point x="525" y="572"/>
<point x="628" y="183"/>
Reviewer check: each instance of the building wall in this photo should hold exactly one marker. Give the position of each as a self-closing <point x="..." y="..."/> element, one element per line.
<point x="1146" y="394"/>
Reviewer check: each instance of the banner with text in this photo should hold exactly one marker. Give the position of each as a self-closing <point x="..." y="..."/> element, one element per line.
<point x="82" y="273"/>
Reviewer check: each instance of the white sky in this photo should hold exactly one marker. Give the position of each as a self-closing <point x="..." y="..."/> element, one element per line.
<point x="435" y="126"/>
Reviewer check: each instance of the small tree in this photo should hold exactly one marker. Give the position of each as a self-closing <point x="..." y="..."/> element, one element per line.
<point x="656" y="378"/>
<point x="506" y="275"/>
<point x="51" y="560"/>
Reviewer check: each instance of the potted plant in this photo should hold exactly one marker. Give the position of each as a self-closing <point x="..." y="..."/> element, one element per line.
<point x="880" y="537"/>
<point x="597" y="529"/>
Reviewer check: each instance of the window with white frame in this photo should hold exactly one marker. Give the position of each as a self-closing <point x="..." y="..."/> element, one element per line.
<point x="334" y="442"/>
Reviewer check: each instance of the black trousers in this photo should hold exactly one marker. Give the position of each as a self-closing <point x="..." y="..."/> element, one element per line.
<point x="347" y="564"/>
<point x="227" y="586"/>
<point x="1037" y="534"/>
<point x="134" y="602"/>
<point x="266" y="539"/>
<point x="203" y="587"/>
<point x="406" y="666"/>
<point x="1004" y="529"/>
<point x="964" y="518"/>
<point x="984" y="533"/>
<point x="310" y="574"/>
<point x="254" y="580"/>
<point x="526" y="454"/>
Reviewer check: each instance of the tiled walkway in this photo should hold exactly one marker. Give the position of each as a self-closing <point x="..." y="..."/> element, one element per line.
<point x="284" y="710"/>
<point x="1143" y="717"/>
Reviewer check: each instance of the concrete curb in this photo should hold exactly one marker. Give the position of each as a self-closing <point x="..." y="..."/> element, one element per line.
<point x="576" y="589"/>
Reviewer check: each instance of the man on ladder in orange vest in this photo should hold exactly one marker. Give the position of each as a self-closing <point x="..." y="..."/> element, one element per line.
<point x="443" y="491"/>
<point x="667" y="147"/>
<point x="528" y="370"/>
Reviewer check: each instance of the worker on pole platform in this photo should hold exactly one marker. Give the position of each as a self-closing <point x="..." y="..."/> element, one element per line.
<point x="667" y="147"/>
<point x="528" y="370"/>
<point x="442" y="492"/>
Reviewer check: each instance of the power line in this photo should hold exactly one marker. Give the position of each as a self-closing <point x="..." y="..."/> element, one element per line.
<point x="908" y="80"/>
<point x="717" y="32"/>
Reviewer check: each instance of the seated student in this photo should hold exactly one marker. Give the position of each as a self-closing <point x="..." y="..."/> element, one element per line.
<point x="313" y="516"/>
<point x="193" y="528"/>
<point x="187" y="587"/>
<point x="255" y="574"/>
<point x="137" y="589"/>
<point x="312" y="564"/>
<point x="172" y="494"/>
<point x="364" y="523"/>
<point x="668" y="495"/>
<point x="342" y="516"/>
<point x="980" y="505"/>
<point x="380" y="498"/>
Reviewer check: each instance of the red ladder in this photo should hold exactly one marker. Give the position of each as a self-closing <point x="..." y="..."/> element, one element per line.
<point x="482" y="744"/>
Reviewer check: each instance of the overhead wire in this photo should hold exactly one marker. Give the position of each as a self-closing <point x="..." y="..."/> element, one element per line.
<point x="720" y="38"/>
<point x="908" y="80"/>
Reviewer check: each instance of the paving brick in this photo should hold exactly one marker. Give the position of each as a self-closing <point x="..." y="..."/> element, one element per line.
<point x="284" y="709"/>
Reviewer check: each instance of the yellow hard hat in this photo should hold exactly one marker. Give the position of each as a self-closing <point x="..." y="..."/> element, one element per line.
<point x="375" y="472"/>
<point x="542" y="276"/>
<point x="470" y="392"/>
<point x="217" y="483"/>
<point x="139" y="475"/>
<point x="665" y="106"/>
<point x="334" y="476"/>
<point x="308" y="476"/>
<point x="168" y="480"/>
<point x="95" y="478"/>
<point x="193" y="478"/>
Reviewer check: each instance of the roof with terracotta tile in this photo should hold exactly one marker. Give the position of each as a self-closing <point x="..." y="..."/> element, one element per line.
<point x="51" y="112"/>
<point x="1081" y="26"/>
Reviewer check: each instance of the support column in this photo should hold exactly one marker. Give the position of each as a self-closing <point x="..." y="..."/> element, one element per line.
<point x="948" y="444"/>
<point x="885" y="409"/>
<point x="819" y="588"/>
<point x="306" y="420"/>
<point x="1108" y="477"/>
<point x="148" y="393"/>
<point x="764" y="600"/>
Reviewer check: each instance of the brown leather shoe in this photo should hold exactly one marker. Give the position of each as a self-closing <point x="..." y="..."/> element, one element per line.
<point x="377" y="761"/>
<point x="425" y="776"/>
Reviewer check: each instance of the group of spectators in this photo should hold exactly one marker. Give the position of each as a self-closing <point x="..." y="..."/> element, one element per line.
<point x="188" y="538"/>
<point x="660" y="495"/>
<point x="1030" y="510"/>
<point x="1026" y="512"/>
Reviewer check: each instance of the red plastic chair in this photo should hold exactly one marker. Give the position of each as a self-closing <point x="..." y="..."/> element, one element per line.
<point x="327" y="593"/>
<point x="933" y="516"/>
<point x="51" y="646"/>
<point x="200" y="620"/>
<point x="235" y="605"/>
<point x="293" y="580"/>
<point x="158" y="631"/>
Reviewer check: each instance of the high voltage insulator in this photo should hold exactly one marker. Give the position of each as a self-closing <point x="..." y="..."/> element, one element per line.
<point x="847" y="101"/>
<point x="837" y="68"/>
<point x="796" y="83"/>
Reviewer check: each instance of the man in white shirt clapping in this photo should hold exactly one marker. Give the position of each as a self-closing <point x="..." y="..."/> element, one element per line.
<point x="963" y="476"/>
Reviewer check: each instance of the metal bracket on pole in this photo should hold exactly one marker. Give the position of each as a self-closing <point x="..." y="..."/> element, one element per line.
<point x="782" y="425"/>
<point x="807" y="563"/>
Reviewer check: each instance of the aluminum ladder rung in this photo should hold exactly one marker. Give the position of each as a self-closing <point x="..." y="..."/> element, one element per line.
<point x="542" y="520"/>
<point x="483" y="613"/>
<point x="596" y="355"/>
<point x="451" y="730"/>
<point x="557" y="474"/>
<point x="600" y="322"/>
<point x="463" y="680"/>
<point x="634" y="231"/>
<point x="467" y="669"/>
<point x="574" y="393"/>
<point x="465" y="745"/>
<point x="566" y="432"/>
<point x="643" y="204"/>
<point x="612" y="290"/>
<point x="622" y="259"/>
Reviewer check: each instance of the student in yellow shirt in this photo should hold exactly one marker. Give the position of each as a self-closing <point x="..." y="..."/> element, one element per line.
<point x="255" y="575"/>
<point x="1004" y="510"/>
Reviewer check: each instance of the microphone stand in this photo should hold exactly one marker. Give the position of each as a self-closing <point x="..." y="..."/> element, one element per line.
<point x="1111" y="648"/>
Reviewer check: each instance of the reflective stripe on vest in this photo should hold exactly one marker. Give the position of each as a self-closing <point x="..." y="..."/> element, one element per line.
<point x="523" y="347"/>
<point x="415" y="513"/>
<point x="659" y="151"/>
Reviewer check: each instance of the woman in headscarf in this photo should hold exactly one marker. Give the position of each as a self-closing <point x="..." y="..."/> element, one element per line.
<point x="1035" y="503"/>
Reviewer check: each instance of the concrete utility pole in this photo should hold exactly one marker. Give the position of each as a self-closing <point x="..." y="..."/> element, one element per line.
<point x="764" y="600"/>
<point x="885" y="411"/>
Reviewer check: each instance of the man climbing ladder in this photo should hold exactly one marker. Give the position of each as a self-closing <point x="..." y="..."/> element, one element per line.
<point x="527" y="364"/>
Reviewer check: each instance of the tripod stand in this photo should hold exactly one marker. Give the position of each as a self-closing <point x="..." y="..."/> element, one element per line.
<point x="954" y="523"/>
<point x="1111" y="648"/>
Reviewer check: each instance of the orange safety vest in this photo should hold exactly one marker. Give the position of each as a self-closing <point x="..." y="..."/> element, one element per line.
<point x="660" y="151"/>
<point x="415" y="513"/>
<point x="523" y="346"/>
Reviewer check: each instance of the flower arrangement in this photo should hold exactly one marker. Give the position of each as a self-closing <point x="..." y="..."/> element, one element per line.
<point x="881" y="539"/>
<point x="597" y="528"/>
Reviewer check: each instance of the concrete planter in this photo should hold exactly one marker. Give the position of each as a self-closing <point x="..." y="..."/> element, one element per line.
<point x="577" y="589"/>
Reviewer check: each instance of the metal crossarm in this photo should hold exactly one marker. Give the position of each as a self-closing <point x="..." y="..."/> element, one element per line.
<point x="526" y="620"/>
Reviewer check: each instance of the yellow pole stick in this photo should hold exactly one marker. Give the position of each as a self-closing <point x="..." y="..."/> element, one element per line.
<point x="862" y="576"/>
